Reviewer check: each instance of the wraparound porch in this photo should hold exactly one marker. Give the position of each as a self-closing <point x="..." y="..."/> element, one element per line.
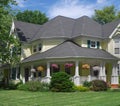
<point x="107" y="70"/>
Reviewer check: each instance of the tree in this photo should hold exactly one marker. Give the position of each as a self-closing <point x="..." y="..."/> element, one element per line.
<point x="35" y="17"/>
<point x="7" y="40"/>
<point x="9" y="45"/>
<point x="106" y="15"/>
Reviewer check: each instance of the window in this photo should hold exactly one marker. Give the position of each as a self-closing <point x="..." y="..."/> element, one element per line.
<point x="34" y="48"/>
<point x="117" y="51"/>
<point x="15" y="73"/>
<point x="37" y="48"/>
<point x="117" y="46"/>
<point x="40" y="47"/>
<point x="93" y="44"/>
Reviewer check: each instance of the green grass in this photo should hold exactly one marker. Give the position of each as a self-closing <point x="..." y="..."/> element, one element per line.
<point x="24" y="98"/>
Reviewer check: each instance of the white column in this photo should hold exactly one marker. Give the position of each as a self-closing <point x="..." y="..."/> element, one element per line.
<point x="17" y="70"/>
<point x="114" y="79"/>
<point x="77" y="76"/>
<point x="102" y="74"/>
<point x="48" y="77"/>
<point x="31" y="73"/>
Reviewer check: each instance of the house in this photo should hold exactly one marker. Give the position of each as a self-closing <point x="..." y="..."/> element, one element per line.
<point x="81" y="47"/>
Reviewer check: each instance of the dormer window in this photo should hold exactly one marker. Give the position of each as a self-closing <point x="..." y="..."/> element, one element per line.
<point x="34" y="48"/>
<point x="93" y="44"/>
<point x="39" y="47"/>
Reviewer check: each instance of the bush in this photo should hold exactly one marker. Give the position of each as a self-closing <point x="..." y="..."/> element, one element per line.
<point x="12" y="85"/>
<point x="60" y="82"/>
<point x="81" y="88"/>
<point x="99" y="85"/>
<point x="87" y="84"/>
<point x="34" y="86"/>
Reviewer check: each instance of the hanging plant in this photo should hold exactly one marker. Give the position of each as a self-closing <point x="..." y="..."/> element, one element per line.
<point x="96" y="67"/>
<point x="54" y="66"/>
<point x="68" y="65"/>
<point x="40" y="68"/>
<point x="86" y="66"/>
<point x="33" y="70"/>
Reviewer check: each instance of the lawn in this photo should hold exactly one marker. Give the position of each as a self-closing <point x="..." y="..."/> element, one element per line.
<point x="25" y="98"/>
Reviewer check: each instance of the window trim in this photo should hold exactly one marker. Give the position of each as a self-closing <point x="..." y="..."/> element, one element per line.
<point x="96" y="44"/>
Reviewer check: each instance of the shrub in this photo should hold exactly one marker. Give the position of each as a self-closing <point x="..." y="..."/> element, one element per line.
<point x="81" y="88"/>
<point x="87" y="84"/>
<point x="99" y="85"/>
<point x="60" y="82"/>
<point x="12" y="85"/>
<point x="34" y="86"/>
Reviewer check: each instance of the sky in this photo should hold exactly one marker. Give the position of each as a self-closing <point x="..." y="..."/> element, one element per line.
<point x="68" y="8"/>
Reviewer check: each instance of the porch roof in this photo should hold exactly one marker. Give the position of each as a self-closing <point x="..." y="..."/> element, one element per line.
<point x="69" y="49"/>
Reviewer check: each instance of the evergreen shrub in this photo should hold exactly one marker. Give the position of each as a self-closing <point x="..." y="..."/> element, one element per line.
<point x="60" y="82"/>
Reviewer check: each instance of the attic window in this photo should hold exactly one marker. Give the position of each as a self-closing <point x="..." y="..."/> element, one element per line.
<point x="93" y="44"/>
<point x="39" y="47"/>
<point x="34" y="48"/>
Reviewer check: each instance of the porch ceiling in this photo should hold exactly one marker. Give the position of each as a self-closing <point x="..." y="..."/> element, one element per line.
<point x="69" y="49"/>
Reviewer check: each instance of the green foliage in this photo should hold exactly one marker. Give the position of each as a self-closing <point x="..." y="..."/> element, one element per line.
<point x="34" y="86"/>
<point x="60" y="82"/>
<point x="35" y="17"/>
<point x="87" y="84"/>
<point x="99" y="85"/>
<point x="7" y="56"/>
<point x="81" y="88"/>
<point x="11" y="85"/>
<point x="106" y="15"/>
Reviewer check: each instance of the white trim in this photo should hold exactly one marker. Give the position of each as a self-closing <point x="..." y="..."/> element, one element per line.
<point x="115" y="30"/>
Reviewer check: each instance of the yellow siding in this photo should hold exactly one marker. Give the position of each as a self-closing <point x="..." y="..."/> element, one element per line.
<point x="104" y="45"/>
<point x="111" y="46"/>
<point x="83" y="41"/>
<point x="48" y="44"/>
<point x="25" y="51"/>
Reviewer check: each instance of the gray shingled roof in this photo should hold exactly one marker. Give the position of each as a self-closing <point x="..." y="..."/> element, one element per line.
<point x="69" y="49"/>
<point x="64" y="27"/>
<point x="26" y="31"/>
<point x="109" y="28"/>
<point x="56" y="28"/>
<point x="87" y="27"/>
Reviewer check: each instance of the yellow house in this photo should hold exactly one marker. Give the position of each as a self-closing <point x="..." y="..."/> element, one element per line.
<point x="81" y="47"/>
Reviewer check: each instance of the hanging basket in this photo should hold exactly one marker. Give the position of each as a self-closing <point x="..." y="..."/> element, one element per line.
<point x="68" y="65"/>
<point x="86" y="66"/>
<point x="96" y="68"/>
<point x="54" y="66"/>
<point x="33" y="70"/>
<point x="40" y="68"/>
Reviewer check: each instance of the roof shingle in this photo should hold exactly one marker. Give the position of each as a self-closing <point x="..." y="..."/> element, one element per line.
<point x="69" y="49"/>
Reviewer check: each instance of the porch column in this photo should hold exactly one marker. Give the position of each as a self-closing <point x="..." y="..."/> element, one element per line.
<point x="48" y="77"/>
<point x="32" y="73"/>
<point x="17" y="72"/>
<point x="102" y="74"/>
<point x="114" y="79"/>
<point x="77" y="76"/>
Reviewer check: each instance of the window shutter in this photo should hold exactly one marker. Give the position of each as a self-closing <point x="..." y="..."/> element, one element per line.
<point x="98" y="44"/>
<point x="88" y="43"/>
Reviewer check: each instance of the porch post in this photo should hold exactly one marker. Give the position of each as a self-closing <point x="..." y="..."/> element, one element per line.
<point x="31" y="73"/>
<point x="48" y="77"/>
<point x="102" y="74"/>
<point x="77" y="76"/>
<point x="114" y="79"/>
<point x="17" y="70"/>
